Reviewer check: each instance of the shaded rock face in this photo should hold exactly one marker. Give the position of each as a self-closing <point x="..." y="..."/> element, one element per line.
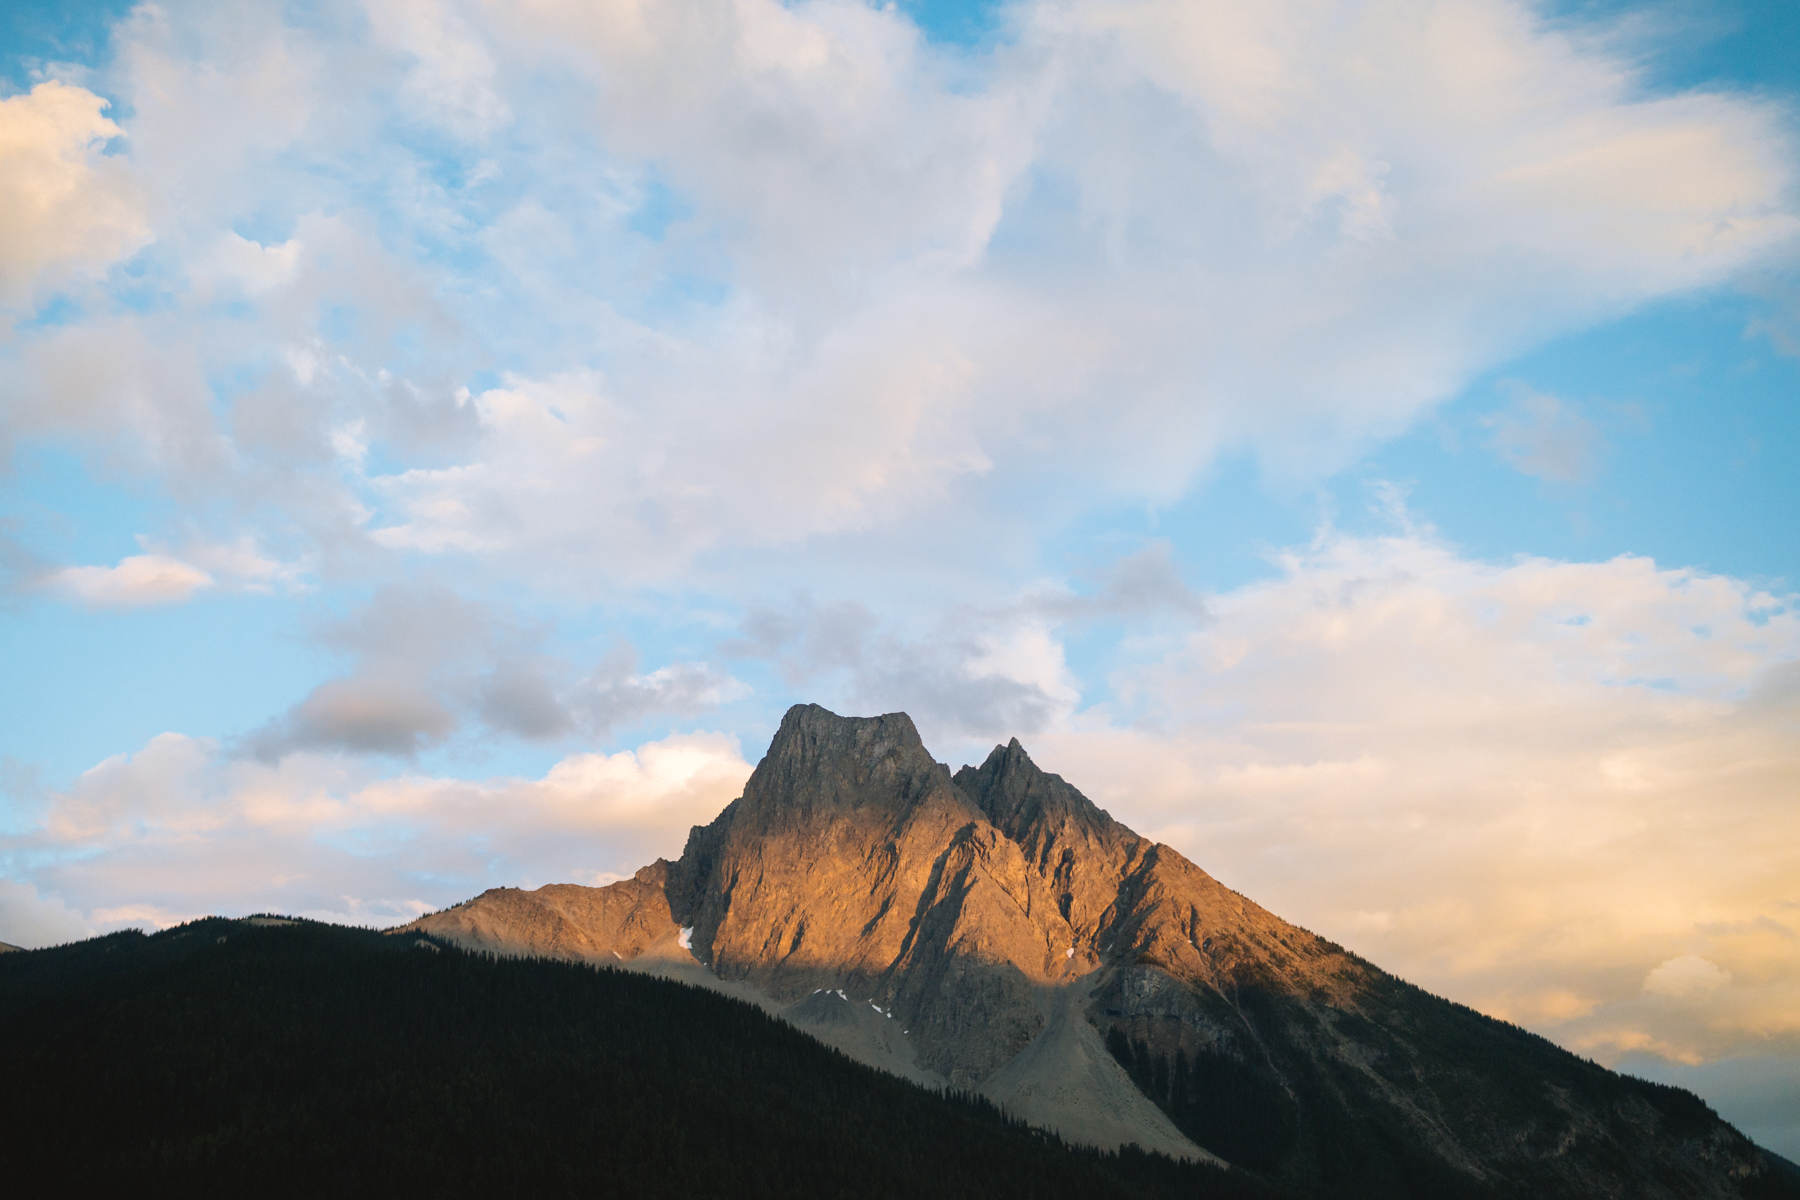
<point x="995" y="930"/>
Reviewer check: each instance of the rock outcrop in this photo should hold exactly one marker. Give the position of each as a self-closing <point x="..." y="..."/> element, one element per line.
<point x="997" y="931"/>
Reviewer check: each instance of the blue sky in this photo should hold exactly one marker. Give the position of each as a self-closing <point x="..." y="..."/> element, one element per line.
<point x="1354" y="445"/>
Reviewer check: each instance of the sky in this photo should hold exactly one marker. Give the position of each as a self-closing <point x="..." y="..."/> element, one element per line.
<point x="1354" y="443"/>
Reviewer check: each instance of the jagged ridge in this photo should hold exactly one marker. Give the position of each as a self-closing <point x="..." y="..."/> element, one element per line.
<point x="996" y="930"/>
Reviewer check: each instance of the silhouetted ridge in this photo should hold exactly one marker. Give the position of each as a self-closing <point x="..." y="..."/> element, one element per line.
<point x="227" y="1058"/>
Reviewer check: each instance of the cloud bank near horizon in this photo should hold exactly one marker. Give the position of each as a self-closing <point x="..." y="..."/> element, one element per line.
<point x="1556" y="790"/>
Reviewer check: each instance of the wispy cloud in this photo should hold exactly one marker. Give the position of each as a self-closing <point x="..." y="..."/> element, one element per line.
<point x="134" y="581"/>
<point x="1557" y="790"/>
<point x="425" y="662"/>
<point x="846" y="281"/>
<point x="1543" y="436"/>
<point x="182" y="828"/>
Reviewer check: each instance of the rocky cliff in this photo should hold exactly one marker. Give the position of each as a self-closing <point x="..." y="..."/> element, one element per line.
<point x="996" y="931"/>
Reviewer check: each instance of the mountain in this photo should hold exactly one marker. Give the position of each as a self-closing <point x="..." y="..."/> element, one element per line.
<point x="6" y="946"/>
<point x="274" y="1057"/>
<point x="995" y="931"/>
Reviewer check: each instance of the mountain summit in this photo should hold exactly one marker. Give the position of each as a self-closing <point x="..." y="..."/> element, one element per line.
<point x="996" y="931"/>
<point x="823" y="766"/>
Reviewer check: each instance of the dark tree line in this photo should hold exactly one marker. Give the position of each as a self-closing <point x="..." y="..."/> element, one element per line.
<point x="223" y="1058"/>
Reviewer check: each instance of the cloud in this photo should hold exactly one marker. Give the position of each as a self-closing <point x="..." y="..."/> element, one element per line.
<point x="136" y="581"/>
<point x="1342" y="271"/>
<point x="183" y="828"/>
<point x="452" y="75"/>
<point x="969" y="674"/>
<point x="1687" y="977"/>
<point x="237" y="267"/>
<point x="245" y="564"/>
<point x="1546" y="437"/>
<point x="617" y="694"/>
<point x="978" y="669"/>
<point x="425" y="660"/>
<point x="658" y="790"/>
<point x="30" y="920"/>
<point x="160" y="575"/>
<point x="67" y="210"/>
<point x="133" y="387"/>
<point x="124" y="794"/>
<point x="414" y="651"/>
<point x="367" y="714"/>
<point x="843" y="283"/>
<point x="1141" y="586"/>
<point x="1555" y="790"/>
<point x="1558" y="791"/>
<point x="520" y="698"/>
<point x="539" y="699"/>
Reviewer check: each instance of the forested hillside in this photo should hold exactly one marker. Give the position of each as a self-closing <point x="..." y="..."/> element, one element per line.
<point x="228" y="1057"/>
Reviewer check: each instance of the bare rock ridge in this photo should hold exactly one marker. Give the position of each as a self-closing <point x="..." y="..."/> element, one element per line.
<point x="997" y="931"/>
<point x="823" y="765"/>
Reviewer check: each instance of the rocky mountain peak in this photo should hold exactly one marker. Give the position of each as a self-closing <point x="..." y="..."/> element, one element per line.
<point x="1017" y="795"/>
<point x="809" y="728"/>
<point x="819" y="763"/>
<point x="999" y="931"/>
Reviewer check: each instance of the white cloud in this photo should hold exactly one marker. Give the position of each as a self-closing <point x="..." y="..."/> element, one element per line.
<point x="156" y="788"/>
<point x="244" y="562"/>
<point x="1265" y="246"/>
<point x="1687" y="977"/>
<point x="1559" y="791"/>
<point x="66" y="208"/>
<point x="659" y="790"/>
<point x="136" y="581"/>
<point x="218" y="99"/>
<point x="239" y="266"/>
<point x="452" y="72"/>
<point x="180" y="829"/>
<point x="970" y="674"/>
<point x="1026" y="654"/>
<point x="878" y="285"/>
<point x="30" y="920"/>
<point x="172" y="575"/>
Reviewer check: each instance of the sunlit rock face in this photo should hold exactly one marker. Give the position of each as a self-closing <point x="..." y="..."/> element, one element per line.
<point x="852" y="857"/>
<point x="995" y="930"/>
